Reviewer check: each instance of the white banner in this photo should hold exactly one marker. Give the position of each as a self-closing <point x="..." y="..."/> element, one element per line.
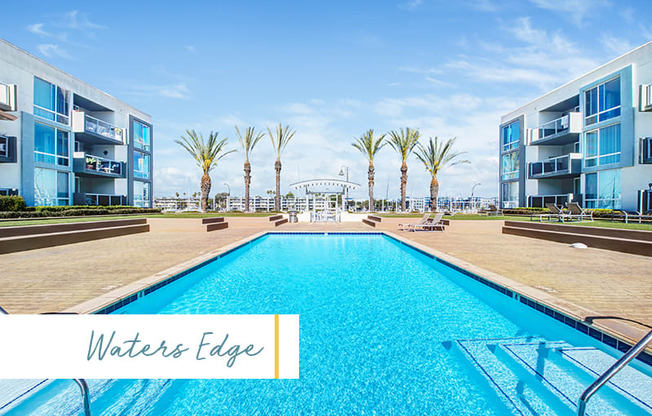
<point x="149" y="346"/>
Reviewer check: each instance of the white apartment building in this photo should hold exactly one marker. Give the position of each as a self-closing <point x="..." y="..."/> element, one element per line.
<point x="65" y="142"/>
<point x="588" y="141"/>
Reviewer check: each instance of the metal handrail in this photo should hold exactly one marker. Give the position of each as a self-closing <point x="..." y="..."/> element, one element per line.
<point x="83" y="386"/>
<point x="85" y="395"/>
<point x="615" y="368"/>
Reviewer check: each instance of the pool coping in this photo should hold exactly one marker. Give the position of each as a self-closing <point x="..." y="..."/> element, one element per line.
<point x="618" y="335"/>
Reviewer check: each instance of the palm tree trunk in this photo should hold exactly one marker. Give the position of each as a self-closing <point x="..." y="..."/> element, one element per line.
<point x="371" y="187"/>
<point x="434" y="191"/>
<point x="205" y="190"/>
<point x="277" y="199"/>
<point x="403" y="184"/>
<point x="247" y="181"/>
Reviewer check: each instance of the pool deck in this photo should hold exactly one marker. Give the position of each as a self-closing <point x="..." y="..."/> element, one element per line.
<point x="580" y="281"/>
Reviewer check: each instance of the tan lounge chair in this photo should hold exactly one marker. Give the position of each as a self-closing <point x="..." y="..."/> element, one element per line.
<point x="406" y="226"/>
<point x="434" y="224"/>
<point x="493" y="210"/>
<point x="578" y="213"/>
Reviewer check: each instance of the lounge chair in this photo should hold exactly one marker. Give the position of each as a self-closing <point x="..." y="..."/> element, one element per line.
<point x="493" y="210"/>
<point x="578" y="213"/>
<point x="555" y="212"/>
<point x="633" y="215"/>
<point x="434" y="224"/>
<point x="406" y="226"/>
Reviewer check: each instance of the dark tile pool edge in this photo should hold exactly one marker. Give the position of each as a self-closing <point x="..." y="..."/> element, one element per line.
<point x="574" y="323"/>
<point x="170" y="279"/>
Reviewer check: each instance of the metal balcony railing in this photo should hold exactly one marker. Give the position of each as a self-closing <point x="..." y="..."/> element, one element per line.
<point x="102" y="128"/>
<point x="99" y="164"/>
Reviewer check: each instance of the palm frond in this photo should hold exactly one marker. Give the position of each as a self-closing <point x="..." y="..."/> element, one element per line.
<point x="368" y="145"/>
<point x="281" y="138"/>
<point x="206" y="153"/>
<point x="437" y="155"/>
<point x="404" y="141"/>
<point x="249" y="139"/>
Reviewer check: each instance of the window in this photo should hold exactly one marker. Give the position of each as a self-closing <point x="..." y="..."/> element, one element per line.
<point x="602" y="146"/>
<point x="141" y="194"/>
<point x="141" y="136"/>
<point x="141" y="165"/>
<point x="602" y="102"/>
<point x="603" y="189"/>
<point x="511" y="136"/>
<point x="51" y="102"/>
<point x="4" y="146"/>
<point x="510" y="194"/>
<point x="51" y="145"/>
<point x="510" y="166"/>
<point x="51" y="187"/>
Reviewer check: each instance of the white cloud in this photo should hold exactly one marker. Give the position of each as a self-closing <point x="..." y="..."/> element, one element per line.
<point x="190" y="48"/>
<point x="614" y="45"/>
<point x="411" y="4"/>
<point x="37" y="29"/>
<point x="179" y="90"/>
<point x="78" y="21"/>
<point x="53" y="51"/>
<point x="574" y="10"/>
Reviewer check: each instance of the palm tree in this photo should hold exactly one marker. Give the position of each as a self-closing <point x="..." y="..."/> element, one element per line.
<point x="437" y="156"/>
<point x="369" y="146"/>
<point x="248" y="141"/>
<point x="279" y="141"/>
<point x="403" y="142"/>
<point x="206" y="154"/>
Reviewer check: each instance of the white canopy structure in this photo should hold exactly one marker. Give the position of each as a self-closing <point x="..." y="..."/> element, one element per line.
<point x="327" y="187"/>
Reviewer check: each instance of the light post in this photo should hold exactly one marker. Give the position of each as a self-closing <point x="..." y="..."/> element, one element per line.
<point x="346" y="188"/>
<point x="228" y="196"/>
<point x="472" y="200"/>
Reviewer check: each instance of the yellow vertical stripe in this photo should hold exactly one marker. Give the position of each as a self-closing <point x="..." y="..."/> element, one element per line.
<point x="276" y="349"/>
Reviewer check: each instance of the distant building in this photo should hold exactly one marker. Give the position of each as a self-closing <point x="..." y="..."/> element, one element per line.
<point x="588" y="141"/>
<point x="65" y="142"/>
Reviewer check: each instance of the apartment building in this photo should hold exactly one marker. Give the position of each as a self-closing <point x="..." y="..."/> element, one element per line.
<point x="588" y="141"/>
<point x="65" y="142"/>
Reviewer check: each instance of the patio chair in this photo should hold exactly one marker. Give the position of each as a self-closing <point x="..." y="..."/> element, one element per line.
<point x="555" y="212"/>
<point x="406" y="226"/>
<point x="493" y="210"/>
<point x="434" y="224"/>
<point x="577" y="212"/>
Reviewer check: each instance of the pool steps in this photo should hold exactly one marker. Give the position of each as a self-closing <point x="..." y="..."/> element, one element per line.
<point x="534" y="376"/>
<point x="30" y="237"/>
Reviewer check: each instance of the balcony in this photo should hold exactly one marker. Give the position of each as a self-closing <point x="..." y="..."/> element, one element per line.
<point x="646" y="150"/>
<point x="91" y="130"/>
<point x="95" y="166"/>
<point x="84" y="198"/>
<point x="7" y="101"/>
<point x="563" y="130"/>
<point x="556" y="167"/>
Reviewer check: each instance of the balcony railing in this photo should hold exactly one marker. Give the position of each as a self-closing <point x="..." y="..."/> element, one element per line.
<point x="540" y="201"/>
<point x="569" y="164"/>
<point x="89" y="125"/>
<point x="85" y="198"/>
<point x="91" y="164"/>
<point x="562" y="126"/>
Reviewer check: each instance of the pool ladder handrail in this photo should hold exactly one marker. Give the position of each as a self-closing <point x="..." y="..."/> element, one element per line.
<point x="612" y="371"/>
<point x="83" y="386"/>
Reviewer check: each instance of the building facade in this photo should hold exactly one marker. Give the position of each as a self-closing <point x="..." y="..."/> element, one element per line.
<point x="65" y="142"/>
<point x="588" y="141"/>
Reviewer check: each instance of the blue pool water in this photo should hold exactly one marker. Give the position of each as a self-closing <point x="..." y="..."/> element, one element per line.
<point x="384" y="330"/>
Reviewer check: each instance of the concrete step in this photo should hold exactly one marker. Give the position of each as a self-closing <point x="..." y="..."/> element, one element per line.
<point x="369" y="222"/>
<point x="26" y="230"/>
<point x="212" y="220"/>
<point x="31" y="242"/>
<point x="275" y="217"/>
<point x="217" y="226"/>
<point x="585" y="230"/>
<point x="280" y="222"/>
<point x="623" y="245"/>
<point x="374" y="218"/>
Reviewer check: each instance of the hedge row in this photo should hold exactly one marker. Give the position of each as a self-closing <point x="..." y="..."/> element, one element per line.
<point x="597" y="212"/>
<point x="12" y="203"/>
<point x="78" y="211"/>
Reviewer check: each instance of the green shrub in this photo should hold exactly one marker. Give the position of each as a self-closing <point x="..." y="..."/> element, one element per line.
<point x="78" y="211"/>
<point x="12" y="203"/>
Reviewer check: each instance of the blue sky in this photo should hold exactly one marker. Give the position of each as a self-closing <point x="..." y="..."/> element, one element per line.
<point x="331" y="70"/>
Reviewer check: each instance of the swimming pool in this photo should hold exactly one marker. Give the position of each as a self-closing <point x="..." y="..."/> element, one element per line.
<point x="385" y="329"/>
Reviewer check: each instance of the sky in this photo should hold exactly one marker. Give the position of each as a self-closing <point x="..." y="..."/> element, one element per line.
<point x="331" y="70"/>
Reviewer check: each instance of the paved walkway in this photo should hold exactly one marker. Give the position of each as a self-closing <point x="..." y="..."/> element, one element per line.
<point x="53" y="279"/>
